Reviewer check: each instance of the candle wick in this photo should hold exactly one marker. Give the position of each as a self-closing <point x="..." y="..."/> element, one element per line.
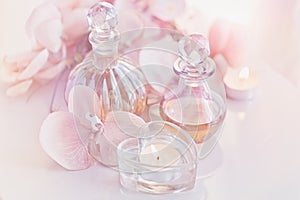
<point x="157" y="158"/>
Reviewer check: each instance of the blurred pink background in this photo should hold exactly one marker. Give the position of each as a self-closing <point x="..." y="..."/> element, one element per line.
<point x="273" y="28"/>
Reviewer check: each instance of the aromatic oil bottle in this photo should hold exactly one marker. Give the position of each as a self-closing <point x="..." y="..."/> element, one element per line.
<point x="197" y="105"/>
<point x="118" y="82"/>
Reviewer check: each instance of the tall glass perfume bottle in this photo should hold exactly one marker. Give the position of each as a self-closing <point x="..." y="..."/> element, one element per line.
<point x="197" y="105"/>
<point x="118" y="82"/>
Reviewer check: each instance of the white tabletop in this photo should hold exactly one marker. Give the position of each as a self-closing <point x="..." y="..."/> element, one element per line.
<point x="255" y="158"/>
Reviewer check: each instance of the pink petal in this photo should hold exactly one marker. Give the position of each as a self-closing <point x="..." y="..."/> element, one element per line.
<point x="42" y="13"/>
<point x="51" y="72"/>
<point x="82" y="101"/>
<point x="55" y="58"/>
<point x="87" y="3"/>
<point x="125" y="5"/>
<point x="236" y="49"/>
<point x="167" y="10"/>
<point x="13" y="65"/>
<point x="230" y="40"/>
<point x="75" y="23"/>
<point x="62" y="4"/>
<point x="163" y="24"/>
<point x="59" y="139"/>
<point x="7" y="76"/>
<point x="130" y="21"/>
<point x="218" y="36"/>
<point x="48" y="34"/>
<point x="36" y="64"/>
<point x="120" y="125"/>
<point x="110" y="1"/>
<point x="19" y="89"/>
<point x="221" y="63"/>
<point x="131" y="26"/>
<point x="148" y="21"/>
<point x="20" y="60"/>
<point x="193" y="21"/>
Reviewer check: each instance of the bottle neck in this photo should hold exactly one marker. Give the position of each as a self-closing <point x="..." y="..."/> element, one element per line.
<point x="101" y="61"/>
<point x="194" y="75"/>
<point x="199" y="89"/>
<point x="192" y="82"/>
<point x="105" y="48"/>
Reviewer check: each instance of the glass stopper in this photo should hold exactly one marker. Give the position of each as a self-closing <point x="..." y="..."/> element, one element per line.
<point x="194" y="49"/>
<point x="192" y="62"/>
<point x="102" y="17"/>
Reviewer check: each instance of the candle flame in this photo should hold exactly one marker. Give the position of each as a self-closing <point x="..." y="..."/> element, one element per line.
<point x="244" y="73"/>
<point x="155" y="152"/>
<point x="153" y="149"/>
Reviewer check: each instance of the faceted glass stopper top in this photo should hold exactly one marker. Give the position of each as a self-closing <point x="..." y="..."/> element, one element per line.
<point x="194" y="49"/>
<point x="102" y="17"/>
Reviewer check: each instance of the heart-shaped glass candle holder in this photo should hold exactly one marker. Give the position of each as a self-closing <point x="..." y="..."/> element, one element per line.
<point x="162" y="159"/>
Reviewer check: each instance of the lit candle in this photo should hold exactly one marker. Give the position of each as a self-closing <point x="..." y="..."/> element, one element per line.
<point x="240" y="84"/>
<point x="159" y="154"/>
<point x="158" y="161"/>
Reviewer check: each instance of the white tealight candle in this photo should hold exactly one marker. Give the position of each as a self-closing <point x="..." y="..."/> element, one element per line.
<point x="162" y="160"/>
<point x="240" y="84"/>
<point x="159" y="160"/>
<point x="159" y="154"/>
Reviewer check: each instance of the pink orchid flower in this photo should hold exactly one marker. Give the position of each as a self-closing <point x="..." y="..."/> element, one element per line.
<point x="65" y="135"/>
<point x="23" y="69"/>
<point x="59" y="139"/>
<point x="58" y="32"/>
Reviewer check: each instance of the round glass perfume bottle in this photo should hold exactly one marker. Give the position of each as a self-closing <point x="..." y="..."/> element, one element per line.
<point x="197" y="105"/>
<point x="118" y="82"/>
